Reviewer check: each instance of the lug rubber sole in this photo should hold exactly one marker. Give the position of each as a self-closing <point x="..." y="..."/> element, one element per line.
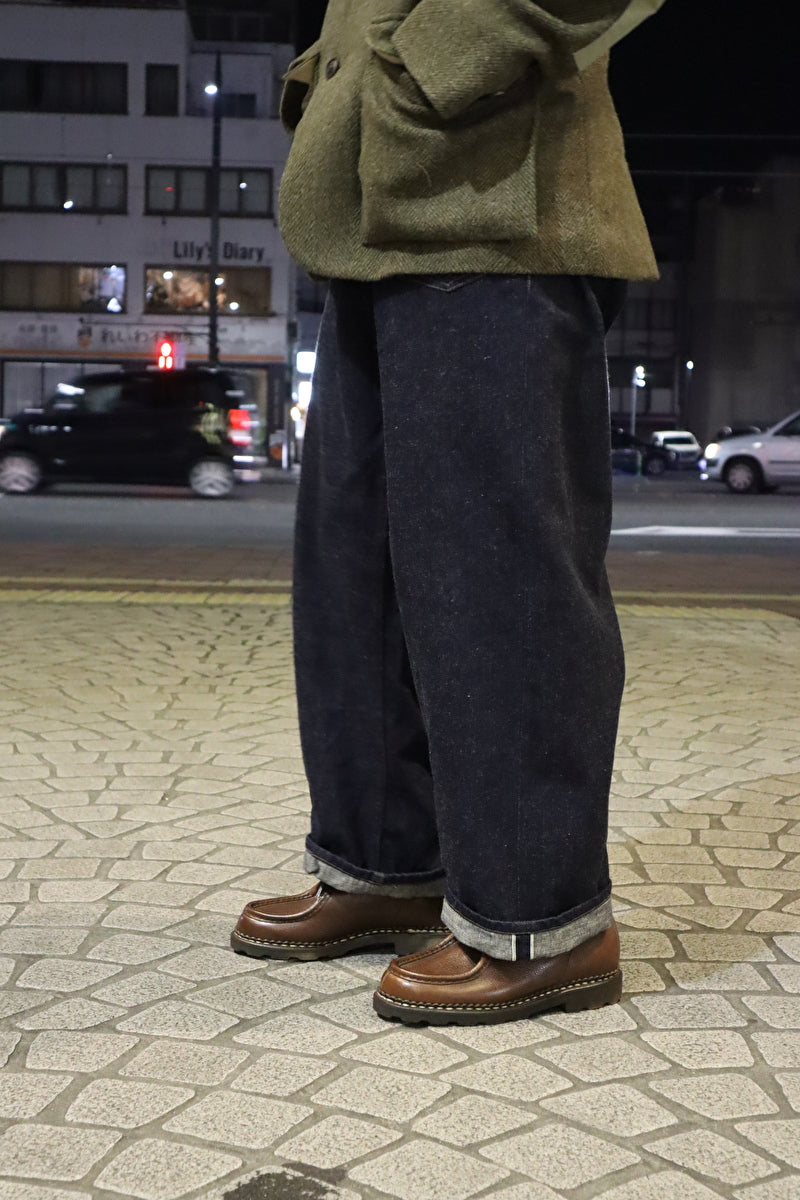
<point x="584" y="994"/>
<point x="403" y="943"/>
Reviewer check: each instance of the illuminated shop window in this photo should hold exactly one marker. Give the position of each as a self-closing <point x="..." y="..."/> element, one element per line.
<point x="61" y="287"/>
<point x="241" y="291"/>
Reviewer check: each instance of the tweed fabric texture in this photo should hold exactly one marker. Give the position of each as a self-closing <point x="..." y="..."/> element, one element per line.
<point x="449" y="136"/>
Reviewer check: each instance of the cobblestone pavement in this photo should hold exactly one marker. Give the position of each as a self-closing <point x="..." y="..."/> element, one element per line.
<point x="150" y="783"/>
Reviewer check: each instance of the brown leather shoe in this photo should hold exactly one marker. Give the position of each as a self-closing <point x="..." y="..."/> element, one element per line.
<point x="451" y="984"/>
<point x="325" y="923"/>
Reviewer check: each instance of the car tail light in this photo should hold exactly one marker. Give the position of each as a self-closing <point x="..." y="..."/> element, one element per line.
<point x="240" y="427"/>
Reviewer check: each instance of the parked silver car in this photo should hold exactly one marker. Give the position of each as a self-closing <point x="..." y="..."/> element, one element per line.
<point x="757" y="462"/>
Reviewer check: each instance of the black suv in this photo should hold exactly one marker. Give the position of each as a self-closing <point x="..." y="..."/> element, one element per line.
<point x="629" y="453"/>
<point x="193" y="426"/>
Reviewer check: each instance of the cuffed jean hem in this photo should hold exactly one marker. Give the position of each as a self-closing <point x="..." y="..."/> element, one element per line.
<point x="376" y="885"/>
<point x="545" y="943"/>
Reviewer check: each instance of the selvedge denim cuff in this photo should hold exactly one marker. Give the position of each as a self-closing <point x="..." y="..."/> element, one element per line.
<point x="511" y="947"/>
<point x="336" y="878"/>
<point x="547" y="943"/>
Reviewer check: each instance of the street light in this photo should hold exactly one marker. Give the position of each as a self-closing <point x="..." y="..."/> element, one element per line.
<point x="638" y="380"/>
<point x="213" y="89"/>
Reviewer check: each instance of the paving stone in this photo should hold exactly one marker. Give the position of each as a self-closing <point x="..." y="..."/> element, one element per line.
<point x="125" y="1104"/>
<point x="641" y="977"/>
<point x="70" y="1014"/>
<point x="689" y="1012"/>
<point x="612" y="1019"/>
<point x="316" y="976"/>
<point x="719" y="1097"/>
<point x="602" y="1059"/>
<point x="16" y="1000"/>
<point x="493" y="1039"/>
<point x="232" y="1119"/>
<point x="29" y="1191"/>
<point x="471" y="1119"/>
<point x="779" y="1138"/>
<point x="132" y="949"/>
<point x="532" y="1190"/>
<point x="407" y="1050"/>
<point x="645" y="945"/>
<point x="64" y="975"/>
<point x="177" y="1018"/>
<point x="277" y="1074"/>
<point x="135" y="869"/>
<point x="356" y="1012"/>
<point x="698" y="976"/>
<point x="25" y="1095"/>
<point x="296" y="1031"/>
<point x="376" y="1092"/>
<point x="77" y="1052"/>
<point x="50" y="1152"/>
<point x="210" y="962"/>
<point x="7" y="966"/>
<point x="726" y="947"/>
<point x="422" y="1170"/>
<point x="185" y="1062"/>
<point x="67" y="916"/>
<point x="711" y="1154"/>
<point x="145" y="987"/>
<point x="510" y="1076"/>
<point x="665" y="1185"/>
<point x="781" y="1012"/>
<point x="249" y="997"/>
<point x="707" y="914"/>
<point x="779" y="1049"/>
<point x="335" y="1141"/>
<point x="613" y="1108"/>
<point x="42" y="941"/>
<point x="153" y="1169"/>
<point x="789" y="944"/>
<point x="559" y="1155"/>
<point x="774" y="1189"/>
<point x="143" y="919"/>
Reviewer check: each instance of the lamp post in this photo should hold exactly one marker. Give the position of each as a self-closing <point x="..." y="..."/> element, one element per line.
<point x="214" y="90"/>
<point x="638" y="380"/>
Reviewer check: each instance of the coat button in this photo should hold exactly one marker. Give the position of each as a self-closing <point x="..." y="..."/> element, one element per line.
<point x="331" y="68"/>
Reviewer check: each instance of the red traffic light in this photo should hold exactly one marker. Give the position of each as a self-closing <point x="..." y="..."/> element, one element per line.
<point x="166" y="356"/>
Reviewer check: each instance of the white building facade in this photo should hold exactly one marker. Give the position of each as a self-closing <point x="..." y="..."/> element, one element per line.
<point x="105" y="176"/>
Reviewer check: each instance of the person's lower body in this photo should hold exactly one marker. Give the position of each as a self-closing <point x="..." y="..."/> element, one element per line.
<point x="458" y="661"/>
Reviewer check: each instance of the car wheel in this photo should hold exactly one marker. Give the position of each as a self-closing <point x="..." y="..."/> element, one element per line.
<point x="20" y="474"/>
<point x="743" y="476"/>
<point x="654" y="466"/>
<point x="211" y="478"/>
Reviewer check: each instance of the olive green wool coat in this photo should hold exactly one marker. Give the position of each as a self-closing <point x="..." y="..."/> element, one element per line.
<point x="446" y="136"/>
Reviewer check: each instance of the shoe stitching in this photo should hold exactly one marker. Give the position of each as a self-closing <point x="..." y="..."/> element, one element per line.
<point x="331" y="941"/>
<point x="570" y="987"/>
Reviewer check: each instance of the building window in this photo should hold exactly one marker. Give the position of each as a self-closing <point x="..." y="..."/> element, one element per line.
<point x="185" y="191"/>
<point x="61" y="287"/>
<point x="242" y="291"/>
<point x="161" y="90"/>
<point x="245" y="193"/>
<point x="47" y="187"/>
<point x="63" y="87"/>
<point x="238" y="104"/>
<point x="177" y="190"/>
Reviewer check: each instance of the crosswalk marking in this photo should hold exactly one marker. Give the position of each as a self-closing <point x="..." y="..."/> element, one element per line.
<point x="706" y="531"/>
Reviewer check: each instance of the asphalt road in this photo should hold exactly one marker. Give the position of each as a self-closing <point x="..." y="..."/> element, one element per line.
<point x="672" y="537"/>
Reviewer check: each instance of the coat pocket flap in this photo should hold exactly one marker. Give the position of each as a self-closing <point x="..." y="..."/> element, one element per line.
<point x="298" y="83"/>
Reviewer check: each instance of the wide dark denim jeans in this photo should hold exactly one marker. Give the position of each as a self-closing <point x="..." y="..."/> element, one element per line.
<point x="458" y="659"/>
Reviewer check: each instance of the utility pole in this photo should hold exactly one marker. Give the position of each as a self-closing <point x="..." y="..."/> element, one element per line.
<point x="214" y="90"/>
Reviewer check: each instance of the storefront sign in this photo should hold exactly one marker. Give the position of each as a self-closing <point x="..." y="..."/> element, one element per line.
<point x="75" y="336"/>
<point x="199" y="253"/>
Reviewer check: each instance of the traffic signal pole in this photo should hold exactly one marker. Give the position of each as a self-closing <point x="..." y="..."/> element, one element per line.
<point x="214" y="206"/>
